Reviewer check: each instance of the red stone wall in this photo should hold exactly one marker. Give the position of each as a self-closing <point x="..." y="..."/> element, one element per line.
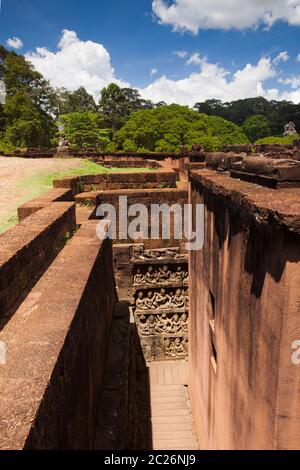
<point x="27" y="248"/>
<point x="108" y="181"/>
<point x="244" y="316"/>
<point x="56" y="348"/>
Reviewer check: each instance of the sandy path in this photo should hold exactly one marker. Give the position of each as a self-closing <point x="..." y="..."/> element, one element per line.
<point x="13" y="171"/>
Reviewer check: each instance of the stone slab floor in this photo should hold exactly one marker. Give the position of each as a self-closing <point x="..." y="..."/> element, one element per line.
<point x="171" y="419"/>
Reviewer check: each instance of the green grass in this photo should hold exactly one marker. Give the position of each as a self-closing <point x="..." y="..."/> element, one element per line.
<point x="39" y="184"/>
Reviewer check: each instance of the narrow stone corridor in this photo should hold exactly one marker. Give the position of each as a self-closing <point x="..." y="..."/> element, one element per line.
<point x="171" y="421"/>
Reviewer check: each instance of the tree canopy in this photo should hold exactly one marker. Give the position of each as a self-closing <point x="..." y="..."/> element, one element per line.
<point x="117" y="104"/>
<point x="278" y="113"/>
<point x="27" y="114"/>
<point x="256" y="127"/>
<point x="73" y="102"/>
<point x="167" y="128"/>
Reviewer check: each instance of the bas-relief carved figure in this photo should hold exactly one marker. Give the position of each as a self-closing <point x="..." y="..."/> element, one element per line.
<point x="139" y="278"/>
<point x="163" y="300"/>
<point x="150" y="277"/>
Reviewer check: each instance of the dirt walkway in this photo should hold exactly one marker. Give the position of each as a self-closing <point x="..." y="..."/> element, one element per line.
<point x="17" y="182"/>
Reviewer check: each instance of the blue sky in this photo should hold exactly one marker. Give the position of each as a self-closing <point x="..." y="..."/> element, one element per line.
<point x="123" y="41"/>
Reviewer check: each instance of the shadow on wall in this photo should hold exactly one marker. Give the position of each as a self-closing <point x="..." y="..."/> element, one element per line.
<point x="124" y="418"/>
<point x="268" y="248"/>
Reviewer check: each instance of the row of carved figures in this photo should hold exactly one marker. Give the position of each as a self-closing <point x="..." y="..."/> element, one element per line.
<point x="162" y="300"/>
<point x="162" y="324"/>
<point x="162" y="275"/>
<point x="171" y="348"/>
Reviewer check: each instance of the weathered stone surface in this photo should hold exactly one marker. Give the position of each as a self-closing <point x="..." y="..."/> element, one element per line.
<point x="56" y="347"/>
<point x="245" y="316"/>
<point x="34" y="205"/>
<point x="281" y="207"/>
<point x="27" y="248"/>
<point x="221" y="159"/>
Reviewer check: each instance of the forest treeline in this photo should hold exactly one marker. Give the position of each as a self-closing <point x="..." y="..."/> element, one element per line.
<point x="34" y="114"/>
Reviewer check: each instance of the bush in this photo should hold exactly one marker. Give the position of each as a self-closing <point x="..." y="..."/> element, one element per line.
<point x="279" y="140"/>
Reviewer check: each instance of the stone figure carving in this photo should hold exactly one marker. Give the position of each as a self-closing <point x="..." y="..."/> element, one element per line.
<point x="148" y="303"/>
<point x="179" y="299"/>
<point x="162" y="324"/>
<point x="164" y="274"/>
<point x="63" y="142"/>
<point x="168" y="347"/>
<point x="139" y="279"/>
<point x="184" y="323"/>
<point x="150" y="277"/>
<point x="179" y="347"/>
<point x="162" y="299"/>
<point x="140" y="301"/>
<point x="290" y="129"/>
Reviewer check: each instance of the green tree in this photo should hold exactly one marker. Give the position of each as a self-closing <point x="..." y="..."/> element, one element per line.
<point x="30" y="103"/>
<point x="256" y="127"/>
<point x="117" y="104"/>
<point x="167" y="128"/>
<point x="76" y="101"/>
<point x="278" y="113"/>
<point x="85" y="129"/>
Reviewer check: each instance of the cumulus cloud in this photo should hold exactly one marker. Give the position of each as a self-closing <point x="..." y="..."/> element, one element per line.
<point x="153" y="72"/>
<point x="193" y="15"/>
<point x="15" y="43"/>
<point x="76" y="63"/>
<point x="298" y="58"/>
<point x="213" y="81"/>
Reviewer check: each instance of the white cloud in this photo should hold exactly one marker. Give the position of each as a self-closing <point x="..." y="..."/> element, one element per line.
<point x="282" y="57"/>
<point x="294" y="82"/>
<point x="298" y="58"/>
<point x="181" y="54"/>
<point x="195" y="59"/>
<point x="213" y="81"/>
<point x="76" y="63"/>
<point x="15" y="43"/>
<point x="193" y="15"/>
<point x="153" y="72"/>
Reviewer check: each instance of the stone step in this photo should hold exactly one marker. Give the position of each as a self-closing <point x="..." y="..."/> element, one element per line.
<point x="171" y="427"/>
<point x="171" y="419"/>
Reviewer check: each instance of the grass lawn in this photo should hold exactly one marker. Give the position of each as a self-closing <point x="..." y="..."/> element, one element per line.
<point x="38" y="184"/>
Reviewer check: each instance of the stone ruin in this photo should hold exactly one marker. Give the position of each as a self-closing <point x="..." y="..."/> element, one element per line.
<point x="89" y="325"/>
<point x="290" y="129"/>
